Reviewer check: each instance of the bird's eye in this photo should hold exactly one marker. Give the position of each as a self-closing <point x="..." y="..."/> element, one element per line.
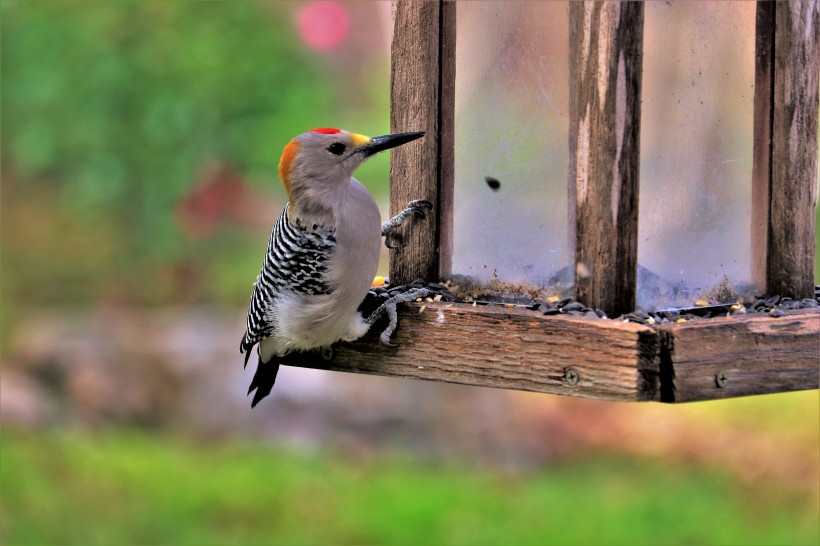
<point x="337" y="148"/>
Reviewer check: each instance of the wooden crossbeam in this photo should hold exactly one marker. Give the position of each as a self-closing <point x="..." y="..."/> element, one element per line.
<point x="591" y="358"/>
<point x="508" y="348"/>
<point x="729" y="357"/>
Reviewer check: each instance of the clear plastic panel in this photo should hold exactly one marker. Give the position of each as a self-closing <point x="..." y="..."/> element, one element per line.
<point x="696" y="153"/>
<point x="511" y="146"/>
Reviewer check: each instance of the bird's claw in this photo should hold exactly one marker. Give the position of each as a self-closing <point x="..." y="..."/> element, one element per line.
<point x="418" y="205"/>
<point x="387" y="239"/>
<point x="414" y="208"/>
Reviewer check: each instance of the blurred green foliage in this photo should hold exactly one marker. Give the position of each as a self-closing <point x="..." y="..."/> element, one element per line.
<point x="110" y="112"/>
<point x="126" y="489"/>
<point x="117" y="106"/>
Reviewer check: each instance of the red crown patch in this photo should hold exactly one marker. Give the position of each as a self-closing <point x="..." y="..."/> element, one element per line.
<point x="326" y="130"/>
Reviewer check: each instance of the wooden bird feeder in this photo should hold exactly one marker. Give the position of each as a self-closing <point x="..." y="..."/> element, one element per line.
<point x="603" y="358"/>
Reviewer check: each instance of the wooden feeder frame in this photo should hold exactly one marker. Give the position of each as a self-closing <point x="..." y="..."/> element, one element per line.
<point x="594" y="358"/>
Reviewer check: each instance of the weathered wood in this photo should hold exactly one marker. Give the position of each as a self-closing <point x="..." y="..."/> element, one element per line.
<point x="604" y="359"/>
<point x="447" y="108"/>
<point x="606" y="41"/>
<point x="740" y="356"/>
<point x="762" y="140"/>
<point x="414" y="106"/>
<point x="508" y="348"/>
<point x="791" y="52"/>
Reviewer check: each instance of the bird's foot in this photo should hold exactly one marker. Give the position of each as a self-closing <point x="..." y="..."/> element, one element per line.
<point x="389" y="307"/>
<point x="413" y="208"/>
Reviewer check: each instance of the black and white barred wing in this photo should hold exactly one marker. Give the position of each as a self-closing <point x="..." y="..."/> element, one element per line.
<point x="296" y="261"/>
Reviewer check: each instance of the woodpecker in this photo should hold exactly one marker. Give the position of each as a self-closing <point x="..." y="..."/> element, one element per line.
<point x="322" y="254"/>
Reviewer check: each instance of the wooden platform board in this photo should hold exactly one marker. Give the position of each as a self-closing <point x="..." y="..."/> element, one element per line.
<point x="734" y="356"/>
<point x="587" y="357"/>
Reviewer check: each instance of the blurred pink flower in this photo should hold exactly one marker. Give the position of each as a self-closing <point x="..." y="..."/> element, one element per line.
<point x="323" y="25"/>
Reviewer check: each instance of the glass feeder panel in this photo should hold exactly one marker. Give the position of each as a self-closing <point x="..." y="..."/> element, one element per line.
<point x="694" y="234"/>
<point x="511" y="146"/>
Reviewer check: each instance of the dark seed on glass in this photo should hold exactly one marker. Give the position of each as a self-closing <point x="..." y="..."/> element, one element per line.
<point x="493" y="183"/>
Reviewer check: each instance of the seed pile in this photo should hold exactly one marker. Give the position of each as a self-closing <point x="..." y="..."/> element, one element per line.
<point x="387" y="291"/>
<point x="566" y="306"/>
<point x="774" y="306"/>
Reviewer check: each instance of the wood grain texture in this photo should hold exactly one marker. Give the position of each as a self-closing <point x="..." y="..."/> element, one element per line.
<point x="762" y="140"/>
<point x="414" y="106"/>
<point x="508" y="348"/>
<point x="606" y="52"/>
<point x="613" y="360"/>
<point x="749" y="355"/>
<point x="793" y="193"/>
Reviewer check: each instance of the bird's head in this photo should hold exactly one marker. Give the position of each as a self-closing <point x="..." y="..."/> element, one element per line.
<point x="327" y="158"/>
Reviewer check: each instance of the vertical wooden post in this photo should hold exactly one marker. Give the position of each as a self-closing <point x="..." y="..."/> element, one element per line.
<point x="762" y="142"/>
<point x="418" y="103"/>
<point x="606" y="54"/>
<point x="447" y="109"/>
<point x="785" y="197"/>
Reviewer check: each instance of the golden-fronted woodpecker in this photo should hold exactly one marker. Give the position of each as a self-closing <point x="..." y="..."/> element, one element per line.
<point x="322" y="254"/>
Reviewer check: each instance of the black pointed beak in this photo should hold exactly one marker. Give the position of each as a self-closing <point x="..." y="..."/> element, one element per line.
<point x="381" y="143"/>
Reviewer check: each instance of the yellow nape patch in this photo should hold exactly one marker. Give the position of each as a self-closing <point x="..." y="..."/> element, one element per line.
<point x="288" y="155"/>
<point x="359" y="140"/>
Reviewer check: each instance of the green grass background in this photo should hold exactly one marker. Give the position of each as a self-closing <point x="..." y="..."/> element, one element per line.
<point x="131" y="488"/>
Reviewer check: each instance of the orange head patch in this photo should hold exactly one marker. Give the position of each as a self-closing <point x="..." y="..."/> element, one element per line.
<point x="285" y="164"/>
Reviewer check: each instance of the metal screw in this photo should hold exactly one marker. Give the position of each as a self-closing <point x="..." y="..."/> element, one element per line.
<point x="571" y="376"/>
<point x="721" y="380"/>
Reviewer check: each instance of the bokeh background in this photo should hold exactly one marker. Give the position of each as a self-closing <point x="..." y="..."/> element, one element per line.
<point x="139" y="142"/>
